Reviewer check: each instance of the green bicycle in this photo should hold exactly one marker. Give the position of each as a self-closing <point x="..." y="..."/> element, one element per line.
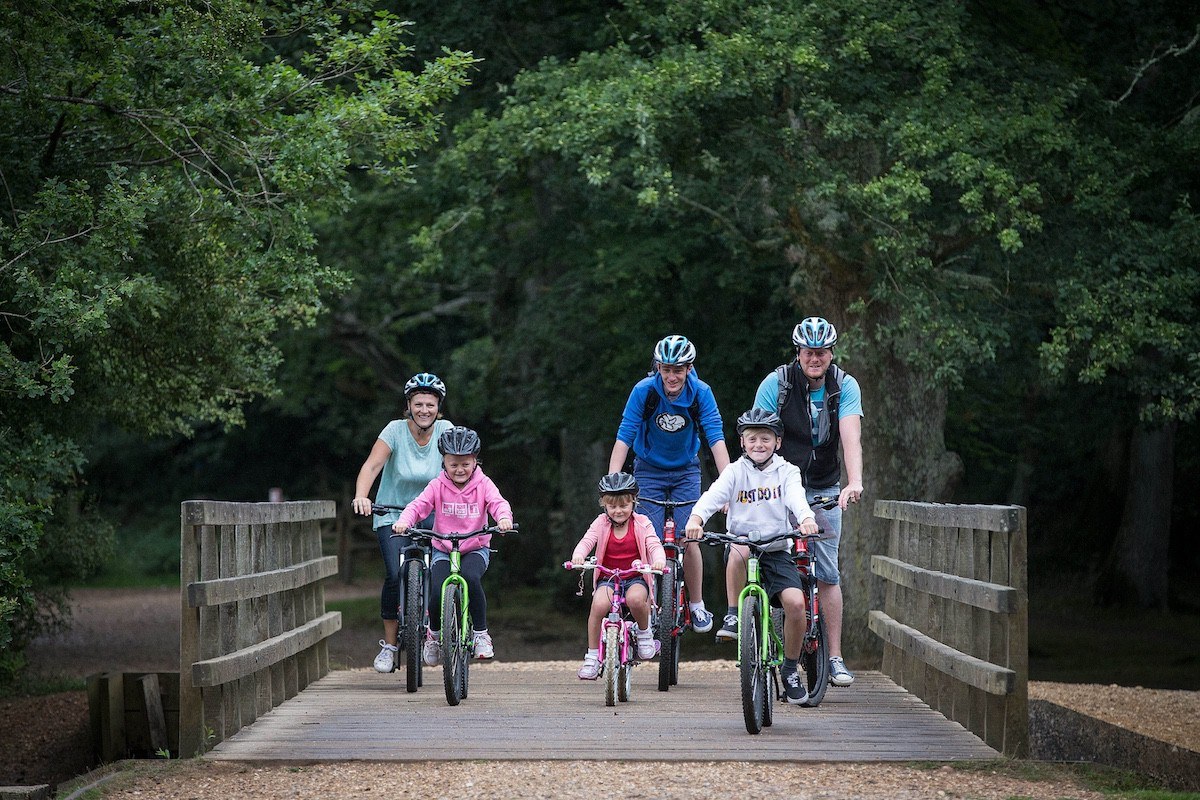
<point x="760" y="634"/>
<point x="458" y="641"/>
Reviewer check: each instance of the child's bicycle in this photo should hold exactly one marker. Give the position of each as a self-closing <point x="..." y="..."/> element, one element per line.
<point x="414" y="601"/>
<point x="760" y="634"/>
<point x="458" y="640"/>
<point x="618" y="634"/>
<point x="674" y="610"/>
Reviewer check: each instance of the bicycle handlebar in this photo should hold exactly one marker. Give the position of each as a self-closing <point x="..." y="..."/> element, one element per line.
<point x="717" y="537"/>
<point x="629" y="572"/>
<point x="823" y="502"/>
<point x="429" y="533"/>
<point x="666" y="503"/>
<point x="381" y="508"/>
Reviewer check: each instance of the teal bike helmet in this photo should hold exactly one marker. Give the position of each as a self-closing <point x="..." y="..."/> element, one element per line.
<point x="814" y="333"/>
<point x="425" y="382"/>
<point x="675" y="350"/>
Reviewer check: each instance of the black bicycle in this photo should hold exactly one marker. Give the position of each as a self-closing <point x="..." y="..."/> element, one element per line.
<point x="674" y="609"/>
<point x="413" y="610"/>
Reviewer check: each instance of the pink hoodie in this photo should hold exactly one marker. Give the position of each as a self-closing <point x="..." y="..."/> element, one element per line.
<point x="598" y="533"/>
<point x="458" y="510"/>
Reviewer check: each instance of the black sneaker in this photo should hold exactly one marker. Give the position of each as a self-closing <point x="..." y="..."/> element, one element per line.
<point x="794" y="688"/>
<point x="729" y="629"/>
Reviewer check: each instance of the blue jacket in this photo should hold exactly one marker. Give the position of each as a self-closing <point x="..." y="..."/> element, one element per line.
<point x="668" y="439"/>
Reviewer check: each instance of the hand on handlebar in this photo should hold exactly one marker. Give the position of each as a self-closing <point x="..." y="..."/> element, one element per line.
<point x="695" y="527"/>
<point x="398" y="528"/>
<point x="361" y="506"/>
<point x="809" y="525"/>
<point x="504" y="524"/>
<point x="850" y="494"/>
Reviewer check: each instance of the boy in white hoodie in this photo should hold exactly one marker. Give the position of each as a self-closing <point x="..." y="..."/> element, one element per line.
<point x="762" y="489"/>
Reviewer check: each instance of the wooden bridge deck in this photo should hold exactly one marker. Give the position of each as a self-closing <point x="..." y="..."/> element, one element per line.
<point x="542" y="711"/>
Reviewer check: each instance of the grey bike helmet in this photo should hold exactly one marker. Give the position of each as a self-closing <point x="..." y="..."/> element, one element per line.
<point x="814" y="333"/>
<point x="760" y="418"/>
<point x="459" y="441"/>
<point x="618" y="483"/>
<point x="425" y="382"/>
<point x="675" y="350"/>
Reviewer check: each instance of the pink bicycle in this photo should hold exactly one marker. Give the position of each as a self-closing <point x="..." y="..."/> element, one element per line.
<point x="618" y="633"/>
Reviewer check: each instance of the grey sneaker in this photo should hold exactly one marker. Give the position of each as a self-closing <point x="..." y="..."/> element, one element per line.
<point x="794" y="688"/>
<point x="729" y="629"/>
<point x="838" y="674"/>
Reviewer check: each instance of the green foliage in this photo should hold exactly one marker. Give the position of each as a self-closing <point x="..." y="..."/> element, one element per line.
<point x="163" y="166"/>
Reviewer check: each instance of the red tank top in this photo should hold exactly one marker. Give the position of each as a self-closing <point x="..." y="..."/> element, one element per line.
<point x="621" y="553"/>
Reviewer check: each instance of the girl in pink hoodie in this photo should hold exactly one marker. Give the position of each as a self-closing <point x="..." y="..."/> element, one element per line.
<point x="620" y="537"/>
<point x="461" y="497"/>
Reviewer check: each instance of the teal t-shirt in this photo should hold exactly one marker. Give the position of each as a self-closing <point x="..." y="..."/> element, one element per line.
<point x="410" y="467"/>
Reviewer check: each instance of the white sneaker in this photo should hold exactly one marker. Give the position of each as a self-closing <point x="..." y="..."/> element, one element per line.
<point x="590" y="669"/>
<point x="483" y="645"/>
<point x="386" y="660"/>
<point x="647" y="648"/>
<point x="431" y="653"/>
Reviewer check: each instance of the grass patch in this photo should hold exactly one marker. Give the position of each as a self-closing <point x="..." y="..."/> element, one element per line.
<point x="38" y="686"/>
<point x="1093" y="777"/>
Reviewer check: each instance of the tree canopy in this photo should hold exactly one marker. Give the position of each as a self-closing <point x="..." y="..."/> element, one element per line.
<point x="163" y="167"/>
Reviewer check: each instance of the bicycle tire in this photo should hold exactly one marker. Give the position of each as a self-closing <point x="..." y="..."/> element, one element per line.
<point x="750" y="665"/>
<point x="771" y="678"/>
<point x="816" y="666"/>
<point x="624" y="682"/>
<point x="612" y="658"/>
<point x="414" y="618"/>
<point x="668" y="613"/>
<point x="453" y="646"/>
<point x="770" y="694"/>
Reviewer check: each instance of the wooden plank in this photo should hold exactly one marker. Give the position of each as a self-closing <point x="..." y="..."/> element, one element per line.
<point x="980" y="594"/>
<point x="340" y="716"/>
<point x="993" y="679"/>
<point x="980" y="517"/>
<point x="240" y="663"/>
<point x="212" y="512"/>
<point x="260" y="584"/>
<point x="191" y="707"/>
<point x="156" y="720"/>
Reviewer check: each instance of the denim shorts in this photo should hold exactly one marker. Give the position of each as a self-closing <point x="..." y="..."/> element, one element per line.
<point x="629" y="583"/>
<point x="825" y="550"/>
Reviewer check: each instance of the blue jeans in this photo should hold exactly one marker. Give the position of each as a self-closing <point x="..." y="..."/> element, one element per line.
<point x="681" y="483"/>
<point x="825" y="550"/>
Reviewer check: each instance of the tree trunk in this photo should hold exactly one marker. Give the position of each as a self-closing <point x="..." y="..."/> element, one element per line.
<point x="1143" y="540"/>
<point x="904" y="458"/>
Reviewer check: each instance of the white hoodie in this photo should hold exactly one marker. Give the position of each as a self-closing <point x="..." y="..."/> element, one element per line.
<point x="759" y="500"/>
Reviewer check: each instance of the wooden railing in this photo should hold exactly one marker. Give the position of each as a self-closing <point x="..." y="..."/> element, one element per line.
<point x="253" y="625"/>
<point x="955" y="616"/>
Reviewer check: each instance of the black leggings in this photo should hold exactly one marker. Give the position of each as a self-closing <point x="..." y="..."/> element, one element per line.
<point x="472" y="568"/>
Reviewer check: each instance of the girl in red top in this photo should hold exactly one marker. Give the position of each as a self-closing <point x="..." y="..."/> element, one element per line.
<point x="619" y="537"/>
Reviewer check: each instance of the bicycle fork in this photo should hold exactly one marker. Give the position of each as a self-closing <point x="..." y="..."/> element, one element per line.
<point x="766" y="630"/>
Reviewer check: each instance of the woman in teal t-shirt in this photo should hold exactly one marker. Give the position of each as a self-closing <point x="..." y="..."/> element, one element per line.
<point x="407" y="455"/>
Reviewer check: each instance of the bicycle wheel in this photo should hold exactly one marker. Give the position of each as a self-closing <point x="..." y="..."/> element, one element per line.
<point x="612" y="659"/>
<point x="414" y="622"/>
<point x="453" y="646"/>
<point x="668" y="611"/>
<point x="624" y="682"/>
<point x="753" y="674"/>
<point x="815" y="660"/>
<point x="771" y="682"/>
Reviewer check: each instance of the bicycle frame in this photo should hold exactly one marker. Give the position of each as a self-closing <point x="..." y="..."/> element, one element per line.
<point x="767" y="624"/>
<point x="678" y="608"/>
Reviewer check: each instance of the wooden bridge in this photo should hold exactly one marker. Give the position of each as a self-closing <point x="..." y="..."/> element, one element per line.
<point x="255" y="682"/>
<point x="541" y="711"/>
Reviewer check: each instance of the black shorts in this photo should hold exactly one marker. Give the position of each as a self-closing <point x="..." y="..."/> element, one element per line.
<point x="778" y="571"/>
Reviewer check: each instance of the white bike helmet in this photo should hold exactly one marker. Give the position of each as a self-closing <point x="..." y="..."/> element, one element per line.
<point x="814" y="333"/>
<point x="425" y="382"/>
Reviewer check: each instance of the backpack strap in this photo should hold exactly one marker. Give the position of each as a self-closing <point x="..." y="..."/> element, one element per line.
<point x="785" y="387"/>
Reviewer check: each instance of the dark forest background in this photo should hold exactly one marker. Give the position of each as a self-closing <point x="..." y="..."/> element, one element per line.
<point x="228" y="236"/>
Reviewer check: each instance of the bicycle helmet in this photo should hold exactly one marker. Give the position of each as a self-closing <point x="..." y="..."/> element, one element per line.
<point x="618" y="483"/>
<point x="459" y="441"/>
<point x="760" y="418"/>
<point x="425" y="382"/>
<point x="675" y="350"/>
<point x="814" y="333"/>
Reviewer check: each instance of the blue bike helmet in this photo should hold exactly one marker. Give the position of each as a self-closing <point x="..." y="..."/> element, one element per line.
<point x="459" y="441"/>
<point x="814" y="333"/>
<point x="675" y="350"/>
<point x="425" y="382"/>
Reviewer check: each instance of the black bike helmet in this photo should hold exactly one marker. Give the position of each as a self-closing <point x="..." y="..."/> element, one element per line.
<point x="760" y="418"/>
<point x="618" y="483"/>
<point x="459" y="441"/>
